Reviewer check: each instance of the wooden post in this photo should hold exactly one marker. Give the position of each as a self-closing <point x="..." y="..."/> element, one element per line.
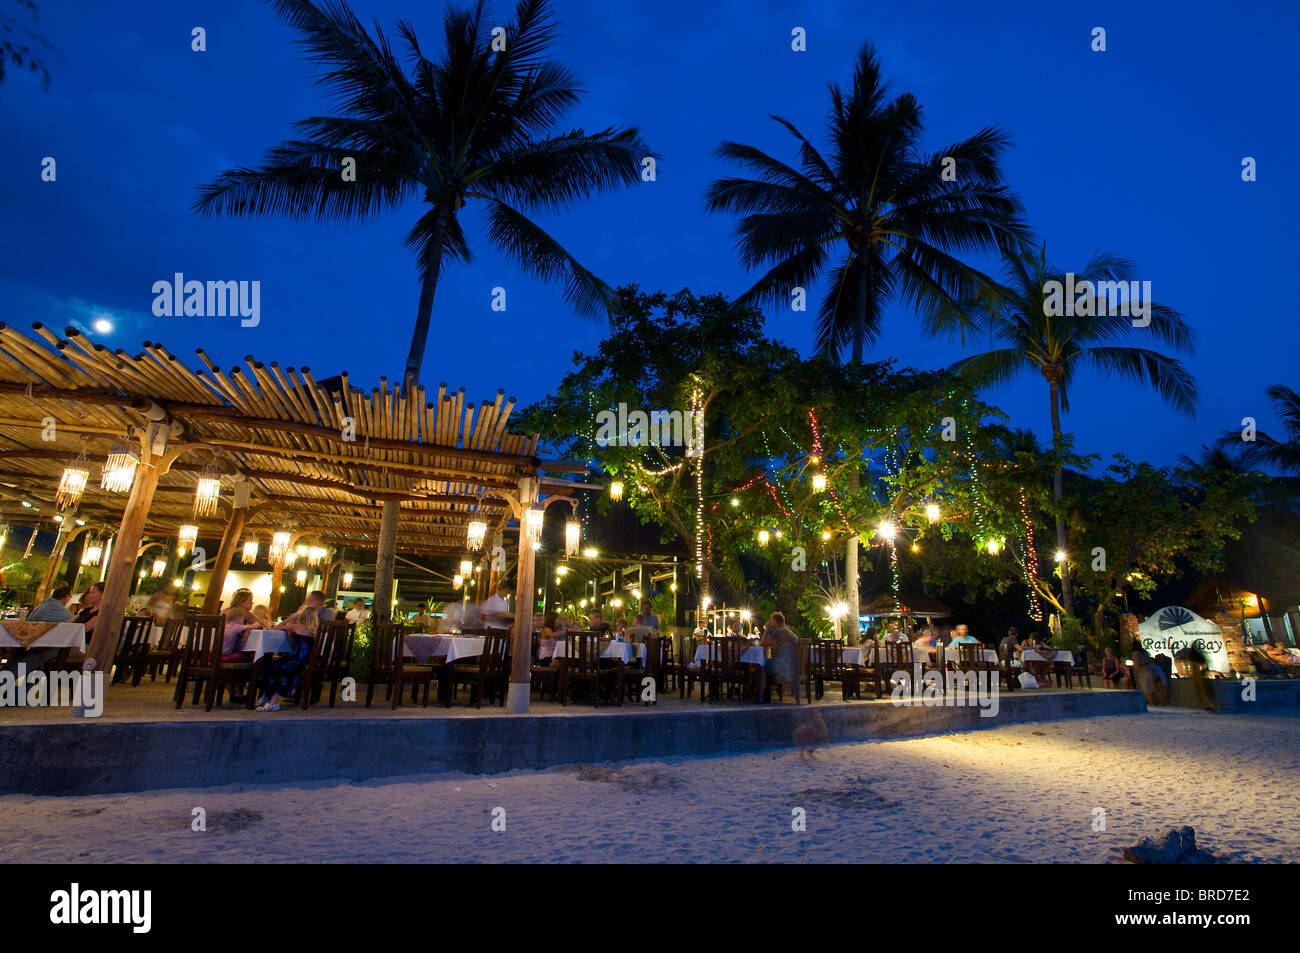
<point x="56" y="557"/>
<point x="277" y="575"/>
<point x="117" y="584"/>
<point x="229" y="541"/>
<point x="522" y="640"/>
<point x="383" y="605"/>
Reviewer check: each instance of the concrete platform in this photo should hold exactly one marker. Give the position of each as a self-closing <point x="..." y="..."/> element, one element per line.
<point x="49" y="753"/>
<point x="1270" y="695"/>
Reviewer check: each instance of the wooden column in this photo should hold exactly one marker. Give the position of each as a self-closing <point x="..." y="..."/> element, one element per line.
<point x="522" y="639"/>
<point x="383" y="605"/>
<point x="277" y="576"/>
<point x="56" y="557"/>
<point x="229" y="542"/>
<point x="117" y="583"/>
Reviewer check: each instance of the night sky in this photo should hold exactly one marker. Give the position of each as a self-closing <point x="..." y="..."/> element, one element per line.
<point x="1137" y="151"/>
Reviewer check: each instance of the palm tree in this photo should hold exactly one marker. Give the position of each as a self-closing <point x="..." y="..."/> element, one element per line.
<point x="1282" y="455"/>
<point x="1057" y="345"/>
<point x="472" y="125"/>
<point x="897" y="216"/>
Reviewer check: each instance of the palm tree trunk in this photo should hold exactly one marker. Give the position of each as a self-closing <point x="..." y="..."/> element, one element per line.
<point x="384" y="557"/>
<point x="855" y="480"/>
<point x="1067" y="599"/>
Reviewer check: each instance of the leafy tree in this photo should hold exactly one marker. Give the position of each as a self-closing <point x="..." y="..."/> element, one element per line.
<point x="17" y="41"/>
<point x="897" y="218"/>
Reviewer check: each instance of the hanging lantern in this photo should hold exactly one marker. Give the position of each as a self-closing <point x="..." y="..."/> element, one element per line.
<point x="932" y="512"/>
<point x="119" y="468"/>
<point x="347" y="579"/>
<point x="159" y="567"/>
<point x="91" y="555"/>
<point x="186" y="537"/>
<point x="993" y="546"/>
<point x="475" y="533"/>
<point x="279" y="544"/>
<point x="73" y="483"/>
<point x="290" y="557"/>
<point x="301" y="577"/>
<point x="466" y="567"/>
<point x="763" y="537"/>
<point x="457" y="581"/>
<point x="818" y="482"/>
<point x="207" y="492"/>
<point x="616" y="490"/>
<point x="250" y="552"/>
<point x="533" y="523"/>
<point x="572" y="536"/>
<point x="315" y="554"/>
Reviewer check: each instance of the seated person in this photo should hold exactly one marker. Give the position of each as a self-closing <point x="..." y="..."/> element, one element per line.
<point x="236" y="620"/>
<point x="961" y="636"/>
<point x="596" y="623"/>
<point x="280" y="678"/>
<point x="549" y="636"/>
<point x="1112" y="673"/>
<point x="53" y="609"/>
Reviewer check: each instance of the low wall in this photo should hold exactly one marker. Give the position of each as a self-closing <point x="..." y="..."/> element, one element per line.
<point x="101" y="758"/>
<point x="1271" y="695"/>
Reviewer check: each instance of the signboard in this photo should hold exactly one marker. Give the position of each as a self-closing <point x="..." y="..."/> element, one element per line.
<point x="1174" y="628"/>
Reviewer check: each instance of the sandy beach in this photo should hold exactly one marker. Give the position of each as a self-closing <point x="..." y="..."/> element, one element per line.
<point x="1023" y="793"/>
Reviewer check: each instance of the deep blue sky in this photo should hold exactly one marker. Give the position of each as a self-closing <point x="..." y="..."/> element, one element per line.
<point x="1136" y="150"/>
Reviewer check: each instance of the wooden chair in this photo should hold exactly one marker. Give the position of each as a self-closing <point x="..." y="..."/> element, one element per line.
<point x="330" y="660"/>
<point x="203" y="666"/>
<point x="670" y="669"/>
<point x="693" y="670"/>
<point x="581" y="665"/>
<point x="167" y="652"/>
<point x="655" y="653"/>
<point x="389" y="665"/>
<point x="486" y="674"/>
<point x="543" y="674"/>
<point x="1079" y="668"/>
<point x="132" y="649"/>
<point x="726" y="669"/>
<point x="1006" y="656"/>
<point x="894" y="657"/>
<point x="827" y="659"/>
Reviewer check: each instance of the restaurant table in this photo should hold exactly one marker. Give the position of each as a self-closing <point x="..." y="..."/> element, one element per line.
<point x="1029" y="655"/>
<point x="263" y="642"/>
<point x="619" y="650"/>
<point x="754" y="655"/>
<point x="952" y="653"/>
<point x="423" y="646"/>
<point x="65" y="635"/>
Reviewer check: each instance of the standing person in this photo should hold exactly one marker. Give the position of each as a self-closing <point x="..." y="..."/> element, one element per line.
<point x="283" y="672"/>
<point x="358" y="613"/>
<point x="496" y="608"/>
<point x="783" y="666"/>
<point x="646" y="616"/>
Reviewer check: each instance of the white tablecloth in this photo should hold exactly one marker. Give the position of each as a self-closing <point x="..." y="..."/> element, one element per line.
<point x="263" y="642"/>
<point x="1029" y="655"/>
<point x="619" y="650"/>
<point x="65" y="635"/>
<point x="953" y="654"/>
<point x="754" y="655"/>
<point x="424" y="646"/>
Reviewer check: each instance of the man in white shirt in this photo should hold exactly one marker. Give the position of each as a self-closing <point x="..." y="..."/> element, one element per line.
<point x="358" y="613"/>
<point x="495" y="609"/>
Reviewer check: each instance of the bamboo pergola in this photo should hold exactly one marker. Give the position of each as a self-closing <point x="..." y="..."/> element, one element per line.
<point x="320" y="455"/>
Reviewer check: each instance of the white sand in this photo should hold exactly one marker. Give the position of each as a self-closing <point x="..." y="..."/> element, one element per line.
<point x="1014" y="794"/>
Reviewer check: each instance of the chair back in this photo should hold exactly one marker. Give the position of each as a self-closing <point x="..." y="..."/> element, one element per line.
<point x="203" y="647"/>
<point x="832" y="659"/>
<point x="333" y="643"/>
<point x="387" y="647"/>
<point x="899" y="653"/>
<point x="495" y="650"/>
<point x="171" y="635"/>
<point x="134" y="637"/>
<point x="655" y="660"/>
<point x="729" y="650"/>
<point x="969" y="656"/>
<point x="582" y="651"/>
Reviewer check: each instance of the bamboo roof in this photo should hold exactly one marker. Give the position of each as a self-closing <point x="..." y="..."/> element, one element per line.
<point x="281" y="429"/>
